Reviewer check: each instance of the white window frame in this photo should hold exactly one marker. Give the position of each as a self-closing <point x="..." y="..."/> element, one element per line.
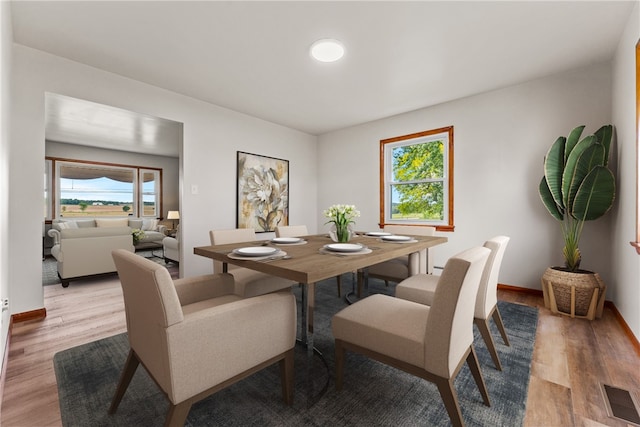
<point x="156" y="193"/>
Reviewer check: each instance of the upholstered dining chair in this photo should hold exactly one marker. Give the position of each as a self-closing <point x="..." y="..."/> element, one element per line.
<point x="297" y="231"/>
<point x="430" y="342"/>
<point x="397" y="269"/>
<point x="196" y="336"/>
<point x="422" y="288"/>
<point x="249" y="282"/>
<point x="291" y="230"/>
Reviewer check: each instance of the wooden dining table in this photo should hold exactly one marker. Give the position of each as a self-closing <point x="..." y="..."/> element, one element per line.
<point x="309" y="262"/>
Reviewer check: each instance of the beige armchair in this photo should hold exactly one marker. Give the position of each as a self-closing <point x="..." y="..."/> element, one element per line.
<point x="422" y="288"/>
<point x="429" y="342"/>
<point x="198" y="335"/>
<point x="249" y="282"/>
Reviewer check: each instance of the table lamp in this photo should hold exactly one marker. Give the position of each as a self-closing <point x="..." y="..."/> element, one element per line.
<point x="173" y="215"/>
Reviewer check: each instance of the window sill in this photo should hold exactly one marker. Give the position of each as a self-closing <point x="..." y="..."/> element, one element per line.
<point x="636" y="245"/>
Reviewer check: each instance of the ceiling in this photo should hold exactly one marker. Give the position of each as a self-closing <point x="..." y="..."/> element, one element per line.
<point x="252" y="57"/>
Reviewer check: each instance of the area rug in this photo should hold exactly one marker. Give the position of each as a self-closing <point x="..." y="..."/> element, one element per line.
<point x="373" y="394"/>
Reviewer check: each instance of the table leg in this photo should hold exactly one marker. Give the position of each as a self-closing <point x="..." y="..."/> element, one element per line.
<point x="306" y="319"/>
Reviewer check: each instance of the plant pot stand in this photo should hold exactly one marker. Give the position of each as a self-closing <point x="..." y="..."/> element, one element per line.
<point x="578" y="294"/>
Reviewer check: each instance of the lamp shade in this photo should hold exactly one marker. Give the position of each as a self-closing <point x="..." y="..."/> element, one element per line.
<point x="173" y="215"/>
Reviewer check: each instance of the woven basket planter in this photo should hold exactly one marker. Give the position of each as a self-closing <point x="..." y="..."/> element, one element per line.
<point x="579" y="294"/>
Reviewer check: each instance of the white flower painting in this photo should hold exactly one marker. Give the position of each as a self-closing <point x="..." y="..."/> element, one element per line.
<point x="263" y="192"/>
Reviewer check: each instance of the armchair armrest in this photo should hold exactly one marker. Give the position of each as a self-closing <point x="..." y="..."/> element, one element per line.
<point x="55" y="234"/>
<point x="194" y="289"/>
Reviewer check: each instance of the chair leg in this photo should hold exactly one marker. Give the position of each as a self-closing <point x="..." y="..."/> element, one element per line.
<point x="474" y="367"/>
<point x="483" y="326"/>
<point x="286" y="377"/>
<point x="339" y="283"/>
<point x="339" y="364"/>
<point x="130" y="366"/>
<point x="498" y="319"/>
<point x="177" y="414"/>
<point x="450" y="400"/>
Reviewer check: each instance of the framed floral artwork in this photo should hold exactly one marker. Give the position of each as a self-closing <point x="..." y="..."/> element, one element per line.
<point x="263" y="192"/>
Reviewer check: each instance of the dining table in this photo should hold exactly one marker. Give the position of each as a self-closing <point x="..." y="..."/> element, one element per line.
<point x="314" y="258"/>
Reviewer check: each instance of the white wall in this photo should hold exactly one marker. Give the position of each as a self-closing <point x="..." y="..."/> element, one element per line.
<point x="625" y="260"/>
<point x="212" y="135"/>
<point x="169" y="166"/>
<point x="6" y="36"/>
<point x="500" y="139"/>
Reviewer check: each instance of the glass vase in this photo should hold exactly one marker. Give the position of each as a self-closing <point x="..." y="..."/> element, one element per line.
<point x="341" y="234"/>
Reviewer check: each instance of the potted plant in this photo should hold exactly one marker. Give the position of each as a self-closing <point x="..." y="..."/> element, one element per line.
<point x="577" y="187"/>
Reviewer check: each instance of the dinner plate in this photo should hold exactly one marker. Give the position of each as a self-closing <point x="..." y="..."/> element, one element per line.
<point x="378" y="233"/>
<point x="394" y="238"/>
<point x="344" y="247"/>
<point x="286" y="240"/>
<point x="255" y="251"/>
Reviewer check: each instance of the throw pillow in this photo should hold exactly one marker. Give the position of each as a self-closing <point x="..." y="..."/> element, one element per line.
<point x="111" y="222"/>
<point x="149" y="224"/>
<point x="65" y="225"/>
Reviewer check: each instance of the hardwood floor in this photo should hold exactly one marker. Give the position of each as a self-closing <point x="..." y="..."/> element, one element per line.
<point x="572" y="357"/>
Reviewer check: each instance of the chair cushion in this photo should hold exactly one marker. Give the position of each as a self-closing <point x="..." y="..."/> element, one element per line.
<point x="419" y="288"/>
<point x="212" y="302"/>
<point x="384" y="324"/>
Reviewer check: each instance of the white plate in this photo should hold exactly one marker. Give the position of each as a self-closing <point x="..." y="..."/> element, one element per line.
<point x="286" y="240"/>
<point x="394" y="238"/>
<point x="378" y="233"/>
<point x="255" y="251"/>
<point x="344" y="247"/>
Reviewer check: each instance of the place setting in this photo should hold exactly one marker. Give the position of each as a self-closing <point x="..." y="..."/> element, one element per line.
<point x="288" y="241"/>
<point x="394" y="238"/>
<point x="342" y="249"/>
<point x="258" y="253"/>
<point x="384" y="236"/>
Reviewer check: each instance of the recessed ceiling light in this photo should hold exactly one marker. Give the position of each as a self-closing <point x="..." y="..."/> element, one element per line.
<point x="327" y="50"/>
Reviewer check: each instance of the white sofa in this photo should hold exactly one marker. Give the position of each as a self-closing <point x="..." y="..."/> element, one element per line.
<point x="83" y="247"/>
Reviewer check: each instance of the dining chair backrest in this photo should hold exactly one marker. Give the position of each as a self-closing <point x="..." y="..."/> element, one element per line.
<point x="151" y="305"/>
<point x="418" y="231"/>
<point x="487" y="293"/>
<point x="291" y="231"/>
<point x="449" y="329"/>
<point x="224" y="237"/>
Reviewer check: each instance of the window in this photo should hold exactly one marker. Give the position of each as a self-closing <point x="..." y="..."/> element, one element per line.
<point x="416" y="179"/>
<point x="150" y="194"/>
<point x="92" y="189"/>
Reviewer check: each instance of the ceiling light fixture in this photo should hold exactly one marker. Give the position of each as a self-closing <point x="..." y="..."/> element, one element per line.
<point x="327" y="50"/>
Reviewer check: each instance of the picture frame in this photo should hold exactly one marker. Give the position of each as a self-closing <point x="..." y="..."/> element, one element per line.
<point x="262" y="192"/>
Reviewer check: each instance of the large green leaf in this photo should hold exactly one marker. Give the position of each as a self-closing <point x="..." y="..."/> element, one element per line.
<point x="604" y="135"/>
<point x="595" y="196"/>
<point x="584" y="157"/>
<point x="572" y="140"/>
<point x="549" y="203"/>
<point x="553" y="167"/>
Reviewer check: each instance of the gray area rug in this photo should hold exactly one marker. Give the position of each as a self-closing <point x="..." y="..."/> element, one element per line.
<point x="373" y="394"/>
<point x="50" y="268"/>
